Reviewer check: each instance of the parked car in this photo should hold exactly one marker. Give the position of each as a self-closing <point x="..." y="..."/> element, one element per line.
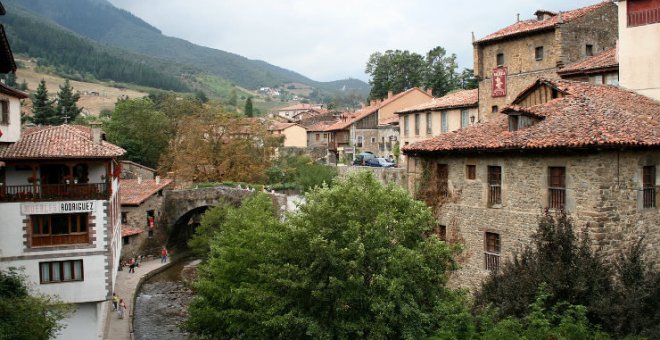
<point x="380" y="162"/>
<point x="363" y="157"/>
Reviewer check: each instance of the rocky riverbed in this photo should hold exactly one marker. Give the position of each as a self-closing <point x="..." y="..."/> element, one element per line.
<point x="162" y="305"/>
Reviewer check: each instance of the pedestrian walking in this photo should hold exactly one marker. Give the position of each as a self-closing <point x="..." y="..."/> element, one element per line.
<point x="131" y="265"/>
<point x="163" y="255"/>
<point x="115" y="301"/>
<point x="121" y="309"/>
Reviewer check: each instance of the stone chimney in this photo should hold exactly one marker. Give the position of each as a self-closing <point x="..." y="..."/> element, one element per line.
<point x="139" y="179"/>
<point x="96" y="134"/>
<point x="157" y="180"/>
<point x="389" y="94"/>
<point x="517" y="17"/>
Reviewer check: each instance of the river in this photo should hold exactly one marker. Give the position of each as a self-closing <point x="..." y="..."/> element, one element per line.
<point x="161" y="305"/>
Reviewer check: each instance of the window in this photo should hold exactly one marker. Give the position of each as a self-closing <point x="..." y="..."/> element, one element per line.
<point x="464" y="118"/>
<point x="318" y="136"/>
<point x="417" y="124"/>
<point x="59" y="229"/>
<point x="444" y="122"/>
<point x="494" y="109"/>
<point x="325" y="136"/>
<point x="500" y="59"/>
<point x="494" y="185"/>
<point x="406" y="125"/>
<point x="443" y="179"/>
<point x="492" y="253"/>
<point x="538" y="53"/>
<point x="4" y="110"/>
<point x="373" y="140"/>
<point x="124" y="217"/>
<point x="429" y="123"/>
<point x="359" y="141"/>
<point x="440" y="231"/>
<point x="648" y="186"/>
<point x="126" y="240"/>
<point x="589" y="50"/>
<point x="61" y="271"/>
<point x="471" y="171"/>
<point x="556" y="187"/>
<point x="513" y="123"/>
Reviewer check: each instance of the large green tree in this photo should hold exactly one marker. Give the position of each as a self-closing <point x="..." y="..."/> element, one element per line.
<point x="137" y="126"/>
<point x="66" y="103"/>
<point x="352" y="262"/>
<point x="249" y="110"/>
<point x="43" y="112"/>
<point x="26" y="316"/>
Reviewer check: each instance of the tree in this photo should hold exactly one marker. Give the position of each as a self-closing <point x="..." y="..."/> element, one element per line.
<point x="394" y="71"/>
<point x="211" y="223"/>
<point x="23" y="86"/>
<point x="10" y="79"/>
<point x="43" y="112"/>
<point x="440" y="72"/>
<point x="352" y="262"/>
<point x="299" y="172"/>
<point x="248" y="107"/>
<point x="467" y="79"/>
<point x="26" y="316"/>
<point x="212" y="145"/>
<point x="66" y="103"/>
<point x="138" y="127"/>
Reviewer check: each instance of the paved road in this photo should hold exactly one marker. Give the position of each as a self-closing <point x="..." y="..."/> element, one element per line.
<point x="120" y="329"/>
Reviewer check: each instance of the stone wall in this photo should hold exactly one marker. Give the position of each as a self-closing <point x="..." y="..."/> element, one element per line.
<point x="602" y="193"/>
<point x="396" y="176"/>
<point x="132" y="170"/>
<point x="136" y="216"/>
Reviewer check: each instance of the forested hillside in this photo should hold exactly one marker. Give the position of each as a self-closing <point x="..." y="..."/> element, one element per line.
<point x="81" y="58"/>
<point x="101" y="21"/>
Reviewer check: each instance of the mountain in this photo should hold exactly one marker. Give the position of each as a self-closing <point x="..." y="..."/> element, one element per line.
<point x="81" y="58"/>
<point x="99" y="20"/>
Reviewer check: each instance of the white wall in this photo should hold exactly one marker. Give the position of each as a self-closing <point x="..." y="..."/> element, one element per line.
<point x="87" y="322"/>
<point x="11" y="132"/>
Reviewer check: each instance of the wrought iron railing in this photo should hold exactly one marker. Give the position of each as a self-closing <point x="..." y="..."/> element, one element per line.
<point x="556" y="198"/>
<point x="492" y="261"/>
<point x="494" y="194"/>
<point x="648" y="197"/>
<point x="53" y="192"/>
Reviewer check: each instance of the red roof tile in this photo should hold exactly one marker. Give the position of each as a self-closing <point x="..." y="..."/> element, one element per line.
<point x="277" y="126"/>
<point x="528" y="26"/>
<point x="605" y="60"/>
<point x="62" y="141"/>
<point x="321" y="126"/>
<point x="463" y="98"/>
<point x="587" y="116"/>
<point x="300" y="107"/>
<point x="127" y="230"/>
<point x="134" y="193"/>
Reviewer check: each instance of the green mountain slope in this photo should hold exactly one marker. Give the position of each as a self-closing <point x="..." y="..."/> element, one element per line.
<point x="101" y="21"/>
<point x="79" y="57"/>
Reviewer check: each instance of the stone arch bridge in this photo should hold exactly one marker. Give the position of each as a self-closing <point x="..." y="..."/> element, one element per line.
<point x="181" y="207"/>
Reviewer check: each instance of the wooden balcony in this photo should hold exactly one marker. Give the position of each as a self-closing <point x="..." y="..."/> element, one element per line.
<point x="57" y="240"/>
<point x="54" y="192"/>
<point x="494" y="195"/>
<point x="492" y="261"/>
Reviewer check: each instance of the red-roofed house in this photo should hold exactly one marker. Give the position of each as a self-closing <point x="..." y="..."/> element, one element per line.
<point x="141" y="205"/>
<point x="294" y="134"/>
<point x="290" y="111"/>
<point x="507" y="60"/>
<point x="602" y="68"/>
<point x="590" y="150"/>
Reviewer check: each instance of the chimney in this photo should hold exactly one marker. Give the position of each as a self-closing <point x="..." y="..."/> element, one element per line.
<point x="517" y="17"/>
<point x="139" y="179"/>
<point x="473" y="36"/>
<point x="560" y="19"/>
<point x="96" y="132"/>
<point x="389" y="94"/>
<point x="157" y="180"/>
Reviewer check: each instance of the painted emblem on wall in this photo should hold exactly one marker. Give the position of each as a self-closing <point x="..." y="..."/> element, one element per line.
<point x="499" y="82"/>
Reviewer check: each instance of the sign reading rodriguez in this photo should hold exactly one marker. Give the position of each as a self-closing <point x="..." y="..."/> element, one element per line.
<point x="57" y="207"/>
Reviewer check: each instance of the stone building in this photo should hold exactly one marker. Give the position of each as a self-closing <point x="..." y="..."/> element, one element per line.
<point x="508" y="60"/>
<point x="602" y="68"/>
<point x="590" y="150"/>
<point x="141" y="208"/>
<point x="639" y="46"/>
<point x="451" y="112"/>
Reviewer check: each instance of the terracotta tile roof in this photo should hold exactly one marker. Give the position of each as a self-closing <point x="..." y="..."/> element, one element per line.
<point x="529" y="26"/>
<point x="463" y="98"/>
<point x="277" y="126"/>
<point x="300" y="107"/>
<point x="321" y="126"/>
<point x="605" y="60"/>
<point x="127" y="230"/>
<point x="134" y="193"/>
<point x="587" y="116"/>
<point x="62" y="141"/>
<point x="394" y="120"/>
<point x="12" y="91"/>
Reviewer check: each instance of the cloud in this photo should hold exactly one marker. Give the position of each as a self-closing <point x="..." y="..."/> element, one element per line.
<point x="332" y="39"/>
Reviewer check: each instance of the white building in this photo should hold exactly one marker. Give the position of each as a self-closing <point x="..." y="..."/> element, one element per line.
<point x="60" y="218"/>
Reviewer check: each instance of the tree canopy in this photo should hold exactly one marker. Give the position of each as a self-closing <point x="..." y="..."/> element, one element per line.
<point x="397" y="71"/>
<point x="43" y="112"/>
<point x="353" y="262"/>
<point x="24" y="316"/>
<point x="66" y="103"/>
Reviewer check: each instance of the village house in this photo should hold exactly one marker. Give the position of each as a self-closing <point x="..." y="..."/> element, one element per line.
<point x="290" y="111"/>
<point x="451" y="112"/>
<point x="59" y="212"/>
<point x="318" y="134"/>
<point x="639" y="32"/>
<point x="602" y="68"/>
<point x="294" y="134"/>
<point x="141" y="207"/>
<point x="589" y="150"/>
<point x="508" y="60"/>
<point x="375" y="127"/>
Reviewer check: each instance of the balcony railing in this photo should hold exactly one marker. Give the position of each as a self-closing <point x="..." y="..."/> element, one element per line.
<point x="53" y="192"/>
<point x="494" y="194"/>
<point x="648" y="195"/>
<point x="556" y="198"/>
<point x="492" y="261"/>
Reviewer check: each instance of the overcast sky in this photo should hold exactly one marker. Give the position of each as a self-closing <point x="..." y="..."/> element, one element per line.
<point x="332" y="39"/>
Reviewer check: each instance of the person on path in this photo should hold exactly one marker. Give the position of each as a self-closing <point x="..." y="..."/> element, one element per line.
<point x="163" y="255"/>
<point x="131" y="265"/>
<point x="121" y="309"/>
<point x="115" y="301"/>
